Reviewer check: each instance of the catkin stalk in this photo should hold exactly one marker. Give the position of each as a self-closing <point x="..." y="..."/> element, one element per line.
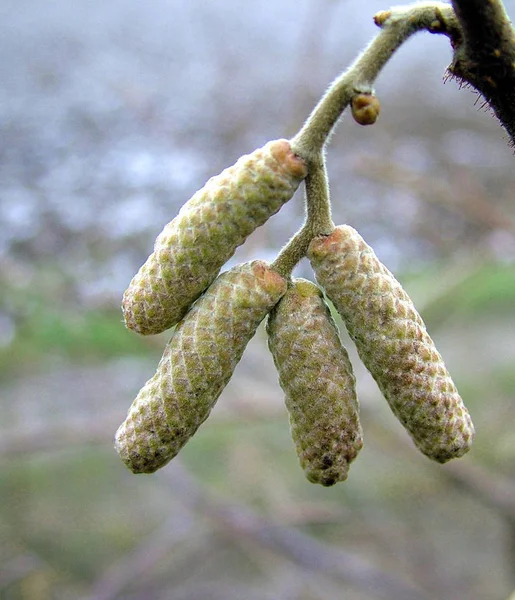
<point x="393" y="343"/>
<point x="316" y="375"/>
<point x="196" y="366"/>
<point x="191" y="249"/>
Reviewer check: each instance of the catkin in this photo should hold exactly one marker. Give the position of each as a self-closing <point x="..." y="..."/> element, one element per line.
<point x="393" y="343"/>
<point x="196" y="366"/>
<point x="316" y="376"/>
<point x="191" y="249"/>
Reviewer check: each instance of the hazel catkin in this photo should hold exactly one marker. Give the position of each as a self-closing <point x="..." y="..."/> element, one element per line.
<point x="191" y="249"/>
<point x="393" y="343"/>
<point x="316" y="375"/>
<point x="196" y="366"/>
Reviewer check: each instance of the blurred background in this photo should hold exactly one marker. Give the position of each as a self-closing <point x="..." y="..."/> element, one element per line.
<point x="112" y="115"/>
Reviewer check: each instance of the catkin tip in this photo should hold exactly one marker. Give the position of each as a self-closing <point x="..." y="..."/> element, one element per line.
<point x="284" y="155"/>
<point x="269" y="278"/>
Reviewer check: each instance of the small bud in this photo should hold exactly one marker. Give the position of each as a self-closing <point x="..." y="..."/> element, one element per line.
<point x="393" y="343"/>
<point x="197" y="364"/>
<point x="316" y="376"/>
<point x="365" y="108"/>
<point x="381" y="17"/>
<point x="191" y="249"/>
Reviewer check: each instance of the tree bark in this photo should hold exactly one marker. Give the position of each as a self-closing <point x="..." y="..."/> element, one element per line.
<point x="484" y="57"/>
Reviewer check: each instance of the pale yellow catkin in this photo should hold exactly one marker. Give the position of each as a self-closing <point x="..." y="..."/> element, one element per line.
<point x="316" y="375"/>
<point x="393" y="343"/>
<point x="191" y="249"/>
<point x="196" y="366"/>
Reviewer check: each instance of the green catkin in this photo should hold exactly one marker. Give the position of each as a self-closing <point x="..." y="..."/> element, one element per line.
<point x="316" y="375"/>
<point x="191" y="249"/>
<point x="393" y="343"/>
<point x="196" y="366"/>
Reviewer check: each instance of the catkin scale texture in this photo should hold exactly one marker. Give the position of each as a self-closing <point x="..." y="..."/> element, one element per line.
<point x="316" y="375"/>
<point x="393" y="343"/>
<point x="196" y="366"/>
<point x="192" y="248"/>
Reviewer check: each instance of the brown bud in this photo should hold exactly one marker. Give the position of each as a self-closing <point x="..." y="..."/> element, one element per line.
<point x="197" y="364"/>
<point x="365" y="108"/>
<point x="393" y="343"/>
<point x="316" y="376"/>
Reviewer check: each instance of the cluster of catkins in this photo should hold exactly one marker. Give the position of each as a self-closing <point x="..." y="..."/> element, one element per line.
<point x="216" y="315"/>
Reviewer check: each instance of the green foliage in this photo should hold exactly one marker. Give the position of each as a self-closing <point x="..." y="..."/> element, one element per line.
<point x="483" y="289"/>
<point x="46" y="333"/>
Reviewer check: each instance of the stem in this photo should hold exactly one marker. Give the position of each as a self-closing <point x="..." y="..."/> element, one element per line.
<point x="318" y="218"/>
<point x="397" y="26"/>
<point x="485" y="56"/>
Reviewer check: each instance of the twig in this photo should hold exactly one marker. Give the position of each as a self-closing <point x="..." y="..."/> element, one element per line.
<point x="298" y="547"/>
<point x="318" y="218"/>
<point x="468" y="201"/>
<point x="58" y="437"/>
<point x="144" y="557"/>
<point x="397" y="25"/>
<point x="485" y="55"/>
<point x="493" y="490"/>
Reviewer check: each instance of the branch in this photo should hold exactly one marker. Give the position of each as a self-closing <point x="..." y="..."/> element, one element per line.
<point x="300" y="548"/>
<point x="318" y="218"/>
<point x="484" y="55"/>
<point x="493" y="490"/>
<point x="397" y="25"/>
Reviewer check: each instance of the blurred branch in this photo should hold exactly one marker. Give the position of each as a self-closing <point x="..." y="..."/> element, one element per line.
<point x="491" y="489"/>
<point x="144" y="558"/>
<point x="18" y="568"/>
<point x="58" y="437"/>
<point x="218" y="591"/>
<point x="397" y="25"/>
<point x="298" y="547"/>
<point x="484" y="55"/>
<point x="461" y="196"/>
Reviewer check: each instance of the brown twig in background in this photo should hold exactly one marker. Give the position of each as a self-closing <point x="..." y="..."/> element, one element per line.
<point x="57" y="437"/>
<point x="303" y="550"/>
<point x="491" y="489"/>
<point x="178" y="531"/>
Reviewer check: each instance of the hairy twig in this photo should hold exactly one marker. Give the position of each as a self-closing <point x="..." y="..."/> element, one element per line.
<point x="484" y="55"/>
<point x="318" y="218"/>
<point x="397" y="25"/>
